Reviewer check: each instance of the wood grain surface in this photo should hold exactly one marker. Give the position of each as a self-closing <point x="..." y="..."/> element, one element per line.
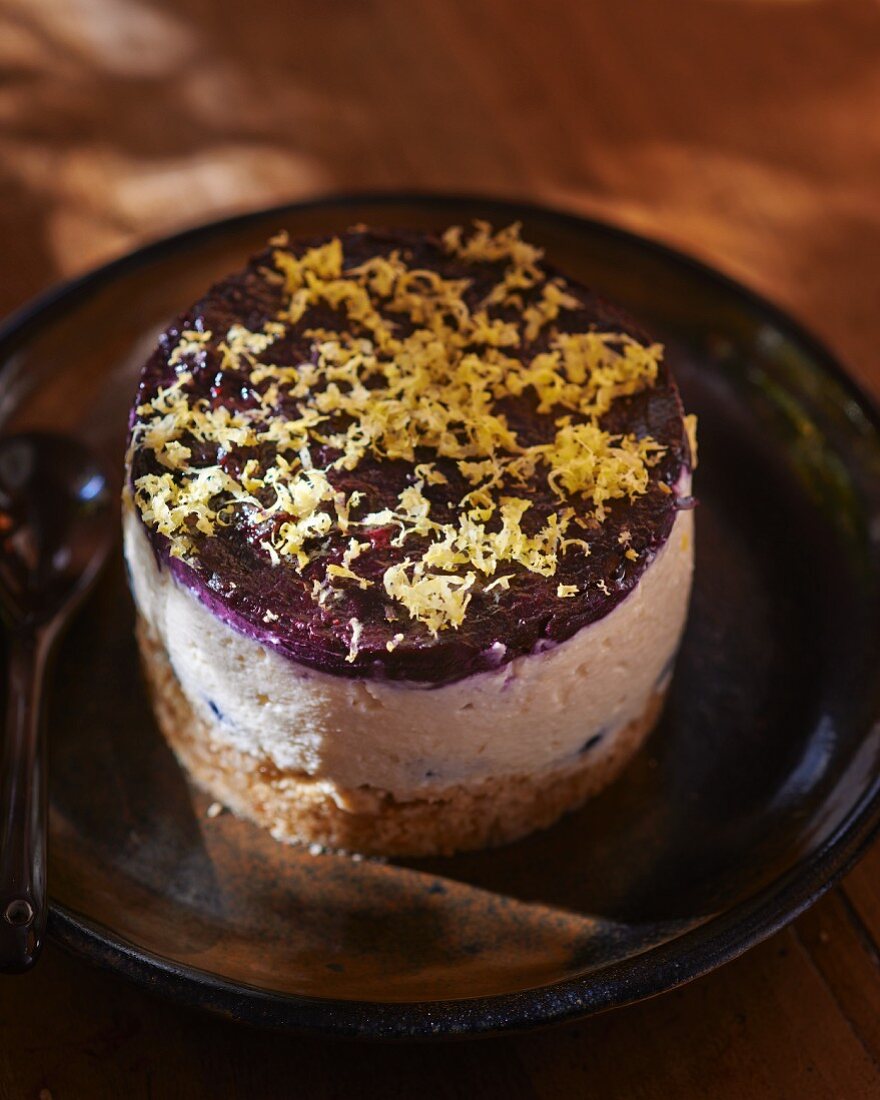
<point x="746" y="131"/>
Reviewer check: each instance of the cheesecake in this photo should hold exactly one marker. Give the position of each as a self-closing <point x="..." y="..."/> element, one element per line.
<point x="409" y="528"/>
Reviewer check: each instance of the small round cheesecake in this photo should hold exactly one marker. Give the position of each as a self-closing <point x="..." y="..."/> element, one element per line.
<point x="408" y="525"/>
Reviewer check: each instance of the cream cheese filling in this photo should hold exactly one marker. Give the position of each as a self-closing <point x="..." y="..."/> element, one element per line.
<point x="535" y="713"/>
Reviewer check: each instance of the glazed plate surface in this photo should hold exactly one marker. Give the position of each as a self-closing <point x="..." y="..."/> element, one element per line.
<point x="758" y="788"/>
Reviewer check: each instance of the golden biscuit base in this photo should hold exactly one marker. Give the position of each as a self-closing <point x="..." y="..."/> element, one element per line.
<point x="298" y="808"/>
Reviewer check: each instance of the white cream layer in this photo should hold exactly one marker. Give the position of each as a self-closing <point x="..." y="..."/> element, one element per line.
<point x="534" y="713"/>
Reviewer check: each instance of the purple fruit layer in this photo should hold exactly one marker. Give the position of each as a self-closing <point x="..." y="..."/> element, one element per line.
<point x="236" y="580"/>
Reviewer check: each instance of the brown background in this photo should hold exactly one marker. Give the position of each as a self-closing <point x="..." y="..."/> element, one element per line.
<point x="746" y="131"/>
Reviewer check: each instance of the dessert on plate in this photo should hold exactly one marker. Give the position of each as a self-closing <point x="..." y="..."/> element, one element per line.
<point x="409" y="530"/>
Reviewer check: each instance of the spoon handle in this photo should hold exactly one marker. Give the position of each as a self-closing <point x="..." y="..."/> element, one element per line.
<point x="23" y="806"/>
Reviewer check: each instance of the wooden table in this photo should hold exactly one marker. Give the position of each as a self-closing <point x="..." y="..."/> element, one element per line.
<point x="746" y="131"/>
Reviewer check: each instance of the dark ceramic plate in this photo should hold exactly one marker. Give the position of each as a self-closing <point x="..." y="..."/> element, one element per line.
<point x="758" y="788"/>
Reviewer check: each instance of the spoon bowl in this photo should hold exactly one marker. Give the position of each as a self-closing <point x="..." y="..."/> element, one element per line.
<point x="56" y="528"/>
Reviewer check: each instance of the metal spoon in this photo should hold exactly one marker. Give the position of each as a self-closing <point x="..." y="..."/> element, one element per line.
<point x="55" y="530"/>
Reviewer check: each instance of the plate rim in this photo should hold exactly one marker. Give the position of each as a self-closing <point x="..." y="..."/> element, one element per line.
<point x="660" y="969"/>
